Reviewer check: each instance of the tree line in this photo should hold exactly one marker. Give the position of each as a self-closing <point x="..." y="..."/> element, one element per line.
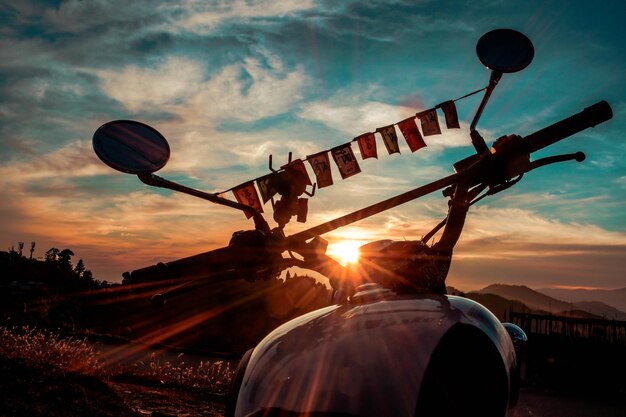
<point x="54" y="272"/>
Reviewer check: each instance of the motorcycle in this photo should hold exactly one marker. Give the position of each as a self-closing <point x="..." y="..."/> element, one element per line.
<point x="391" y="341"/>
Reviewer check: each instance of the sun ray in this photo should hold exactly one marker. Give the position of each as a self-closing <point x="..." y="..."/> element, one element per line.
<point x="345" y="251"/>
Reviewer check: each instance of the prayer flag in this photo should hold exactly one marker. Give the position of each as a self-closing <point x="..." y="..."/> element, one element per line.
<point x="246" y="195"/>
<point x="411" y="134"/>
<point x="449" y="111"/>
<point x="267" y="188"/>
<point x="303" y="210"/>
<point x="345" y="160"/>
<point x="321" y="167"/>
<point x="390" y="139"/>
<point x="430" y="122"/>
<point x="297" y="166"/>
<point x="367" y="146"/>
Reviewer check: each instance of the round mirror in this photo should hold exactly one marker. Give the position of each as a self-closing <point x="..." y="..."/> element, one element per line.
<point x="131" y="147"/>
<point x="505" y="50"/>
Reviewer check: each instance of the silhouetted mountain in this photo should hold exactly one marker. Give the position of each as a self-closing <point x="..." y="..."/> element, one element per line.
<point x="499" y="306"/>
<point x="614" y="298"/>
<point x="541" y="302"/>
<point x="529" y="297"/>
<point x="601" y="309"/>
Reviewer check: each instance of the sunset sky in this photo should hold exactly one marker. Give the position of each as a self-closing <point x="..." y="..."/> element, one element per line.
<point x="229" y="83"/>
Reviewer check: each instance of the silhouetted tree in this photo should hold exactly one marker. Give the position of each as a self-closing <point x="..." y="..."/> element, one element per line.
<point x="52" y="255"/>
<point x="32" y="249"/>
<point x="87" y="275"/>
<point x="79" y="269"/>
<point x="65" y="259"/>
<point x="20" y="246"/>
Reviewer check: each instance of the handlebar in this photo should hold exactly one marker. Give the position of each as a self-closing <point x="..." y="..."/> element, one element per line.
<point x="590" y="117"/>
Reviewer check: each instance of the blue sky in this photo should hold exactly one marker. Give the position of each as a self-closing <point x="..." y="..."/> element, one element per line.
<point x="228" y="83"/>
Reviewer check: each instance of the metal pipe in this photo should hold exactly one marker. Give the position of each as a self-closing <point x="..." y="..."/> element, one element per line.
<point x="374" y="209"/>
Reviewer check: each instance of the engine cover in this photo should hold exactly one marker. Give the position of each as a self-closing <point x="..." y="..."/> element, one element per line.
<point x="370" y="357"/>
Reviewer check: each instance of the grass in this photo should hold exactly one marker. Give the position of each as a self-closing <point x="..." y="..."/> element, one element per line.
<point x="42" y="349"/>
<point x="42" y="374"/>
<point x="211" y="376"/>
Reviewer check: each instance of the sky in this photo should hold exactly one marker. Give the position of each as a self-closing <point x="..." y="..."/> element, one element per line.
<point x="230" y="82"/>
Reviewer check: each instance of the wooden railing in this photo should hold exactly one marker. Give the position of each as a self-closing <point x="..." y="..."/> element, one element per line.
<point x="600" y="330"/>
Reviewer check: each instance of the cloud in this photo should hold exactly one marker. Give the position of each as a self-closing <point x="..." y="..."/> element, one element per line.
<point x="354" y="117"/>
<point x="76" y="16"/>
<point x="142" y="88"/>
<point x="522" y="246"/>
<point x="203" y="18"/>
<point x="246" y="91"/>
<point x="199" y="152"/>
<point x="529" y="227"/>
<point x="599" y="266"/>
<point x="75" y="159"/>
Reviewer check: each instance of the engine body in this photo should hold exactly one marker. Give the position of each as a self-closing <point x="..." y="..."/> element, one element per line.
<point x="381" y="354"/>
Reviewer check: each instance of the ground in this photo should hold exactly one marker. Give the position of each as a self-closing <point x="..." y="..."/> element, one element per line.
<point x="151" y="401"/>
<point x="27" y="391"/>
<point x="538" y="403"/>
<point x="24" y="391"/>
<point x="30" y="388"/>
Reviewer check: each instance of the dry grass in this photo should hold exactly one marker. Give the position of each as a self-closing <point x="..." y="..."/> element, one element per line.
<point x="214" y="376"/>
<point x="43" y="349"/>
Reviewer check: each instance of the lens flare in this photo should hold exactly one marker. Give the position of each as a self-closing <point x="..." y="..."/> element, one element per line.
<point x="345" y="251"/>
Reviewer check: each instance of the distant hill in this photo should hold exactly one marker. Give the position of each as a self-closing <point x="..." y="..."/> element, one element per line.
<point x="528" y="296"/>
<point x="499" y="306"/>
<point x="537" y="301"/>
<point x="601" y="309"/>
<point x="614" y="298"/>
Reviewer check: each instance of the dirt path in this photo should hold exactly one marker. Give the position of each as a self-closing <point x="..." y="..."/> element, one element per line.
<point x="532" y="404"/>
<point x="162" y="402"/>
<point x="152" y="399"/>
<point x="536" y="403"/>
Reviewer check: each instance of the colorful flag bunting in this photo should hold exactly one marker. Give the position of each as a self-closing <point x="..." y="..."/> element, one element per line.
<point x="414" y="139"/>
<point x="390" y="139"/>
<point x="345" y="160"/>
<point x="296" y="173"/>
<point x="298" y="166"/>
<point x="449" y="111"/>
<point x="321" y="167"/>
<point x="267" y="187"/>
<point x="367" y="146"/>
<point x="430" y="122"/>
<point x="246" y="195"/>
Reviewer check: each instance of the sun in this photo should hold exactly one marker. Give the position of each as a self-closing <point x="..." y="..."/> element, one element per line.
<point x="345" y="251"/>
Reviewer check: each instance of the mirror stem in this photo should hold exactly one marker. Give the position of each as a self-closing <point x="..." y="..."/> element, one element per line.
<point x="477" y="140"/>
<point x="156" y="181"/>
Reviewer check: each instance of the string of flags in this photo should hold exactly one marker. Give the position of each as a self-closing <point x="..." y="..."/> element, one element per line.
<point x="291" y="180"/>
